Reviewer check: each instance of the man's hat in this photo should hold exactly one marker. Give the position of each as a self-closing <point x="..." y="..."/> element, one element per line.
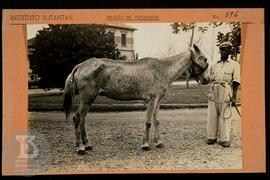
<point x="225" y="44"/>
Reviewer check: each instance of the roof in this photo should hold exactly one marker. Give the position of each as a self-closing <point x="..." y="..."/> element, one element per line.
<point x="121" y="26"/>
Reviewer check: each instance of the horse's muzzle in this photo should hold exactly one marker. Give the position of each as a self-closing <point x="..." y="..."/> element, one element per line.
<point x="205" y="81"/>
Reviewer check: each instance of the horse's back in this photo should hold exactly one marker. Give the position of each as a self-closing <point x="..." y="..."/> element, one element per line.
<point x="143" y="61"/>
<point x="93" y="65"/>
<point x="119" y="79"/>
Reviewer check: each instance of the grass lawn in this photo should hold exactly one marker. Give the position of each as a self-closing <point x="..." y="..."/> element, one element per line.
<point x="175" y="95"/>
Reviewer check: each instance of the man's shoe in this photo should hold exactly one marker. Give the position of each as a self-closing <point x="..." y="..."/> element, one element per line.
<point x="225" y="143"/>
<point x="211" y="141"/>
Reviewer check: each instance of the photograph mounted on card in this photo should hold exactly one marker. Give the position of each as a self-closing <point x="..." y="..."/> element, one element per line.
<point x="133" y="91"/>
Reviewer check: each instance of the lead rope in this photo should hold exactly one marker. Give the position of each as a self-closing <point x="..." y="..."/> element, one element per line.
<point x="229" y="103"/>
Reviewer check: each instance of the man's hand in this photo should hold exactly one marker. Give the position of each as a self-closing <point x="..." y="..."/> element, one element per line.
<point x="233" y="101"/>
<point x="235" y="87"/>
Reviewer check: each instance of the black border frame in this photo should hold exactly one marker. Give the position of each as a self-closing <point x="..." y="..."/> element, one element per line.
<point x="152" y="4"/>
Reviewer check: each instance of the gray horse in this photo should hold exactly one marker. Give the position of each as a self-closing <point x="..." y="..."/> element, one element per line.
<point x="146" y="79"/>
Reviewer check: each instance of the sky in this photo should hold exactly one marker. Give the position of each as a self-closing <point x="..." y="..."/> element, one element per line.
<point x="155" y="39"/>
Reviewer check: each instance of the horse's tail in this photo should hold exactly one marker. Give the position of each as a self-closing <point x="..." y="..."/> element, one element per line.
<point x="69" y="92"/>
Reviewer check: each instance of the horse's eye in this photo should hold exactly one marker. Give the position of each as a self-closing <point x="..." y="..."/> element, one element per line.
<point x="203" y="59"/>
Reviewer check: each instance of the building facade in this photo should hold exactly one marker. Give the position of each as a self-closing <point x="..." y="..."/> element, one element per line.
<point x="33" y="78"/>
<point x="123" y="37"/>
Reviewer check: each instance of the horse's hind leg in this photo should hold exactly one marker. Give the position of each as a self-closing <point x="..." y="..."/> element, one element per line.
<point x="82" y="143"/>
<point x="84" y="137"/>
<point x="77" y="123"/>
<point x="83" y="132"/>
<point x="157" y="141"/>
<point x="150" y="112"/>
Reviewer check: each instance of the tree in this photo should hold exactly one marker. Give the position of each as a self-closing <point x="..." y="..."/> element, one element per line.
<point x="234" y="37"/>
<point x="58" y="48"/>
<point x="178" y="28"/>
<point x="169" y="51"/>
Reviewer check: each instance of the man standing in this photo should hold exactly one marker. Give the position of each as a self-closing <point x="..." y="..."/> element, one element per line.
<point x="225" y="79"/>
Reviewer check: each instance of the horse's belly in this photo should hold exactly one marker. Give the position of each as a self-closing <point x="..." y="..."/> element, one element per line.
<point x="121" y="97"/>
<point x="122" y="92"/>
<point x="125" y="83"/>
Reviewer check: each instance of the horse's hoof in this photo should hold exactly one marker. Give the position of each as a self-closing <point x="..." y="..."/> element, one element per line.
<point x="88" y="148"/>
<point x="146" y="147"/>
<point x="81" y="152"/>
<point x="159" y="145"/>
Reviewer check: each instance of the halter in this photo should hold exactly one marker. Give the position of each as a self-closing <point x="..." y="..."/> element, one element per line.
<point x="202" y="69"/>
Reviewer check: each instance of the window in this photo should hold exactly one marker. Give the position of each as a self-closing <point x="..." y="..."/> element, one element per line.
<point x="124" y="39"/>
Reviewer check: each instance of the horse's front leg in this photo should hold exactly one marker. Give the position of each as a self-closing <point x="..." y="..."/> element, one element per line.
<point x="149" y="116"/>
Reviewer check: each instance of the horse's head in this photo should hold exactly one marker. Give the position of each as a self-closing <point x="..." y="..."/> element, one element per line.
<point x="199" y="67"/>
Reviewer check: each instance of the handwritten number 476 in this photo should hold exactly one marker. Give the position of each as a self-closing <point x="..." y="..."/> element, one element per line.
<point x="231" y="14"/>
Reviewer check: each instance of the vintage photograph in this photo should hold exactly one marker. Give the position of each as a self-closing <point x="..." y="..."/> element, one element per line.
<point x="140" y="96"/>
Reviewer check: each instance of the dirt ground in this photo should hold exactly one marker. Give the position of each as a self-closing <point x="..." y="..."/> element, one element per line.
<point x="117" y="136"/>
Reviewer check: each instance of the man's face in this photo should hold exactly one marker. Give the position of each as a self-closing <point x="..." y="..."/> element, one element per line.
<point x="225" y="52"/>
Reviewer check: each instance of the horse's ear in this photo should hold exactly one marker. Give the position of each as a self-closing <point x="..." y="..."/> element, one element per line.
<point x="196" y="48"/>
